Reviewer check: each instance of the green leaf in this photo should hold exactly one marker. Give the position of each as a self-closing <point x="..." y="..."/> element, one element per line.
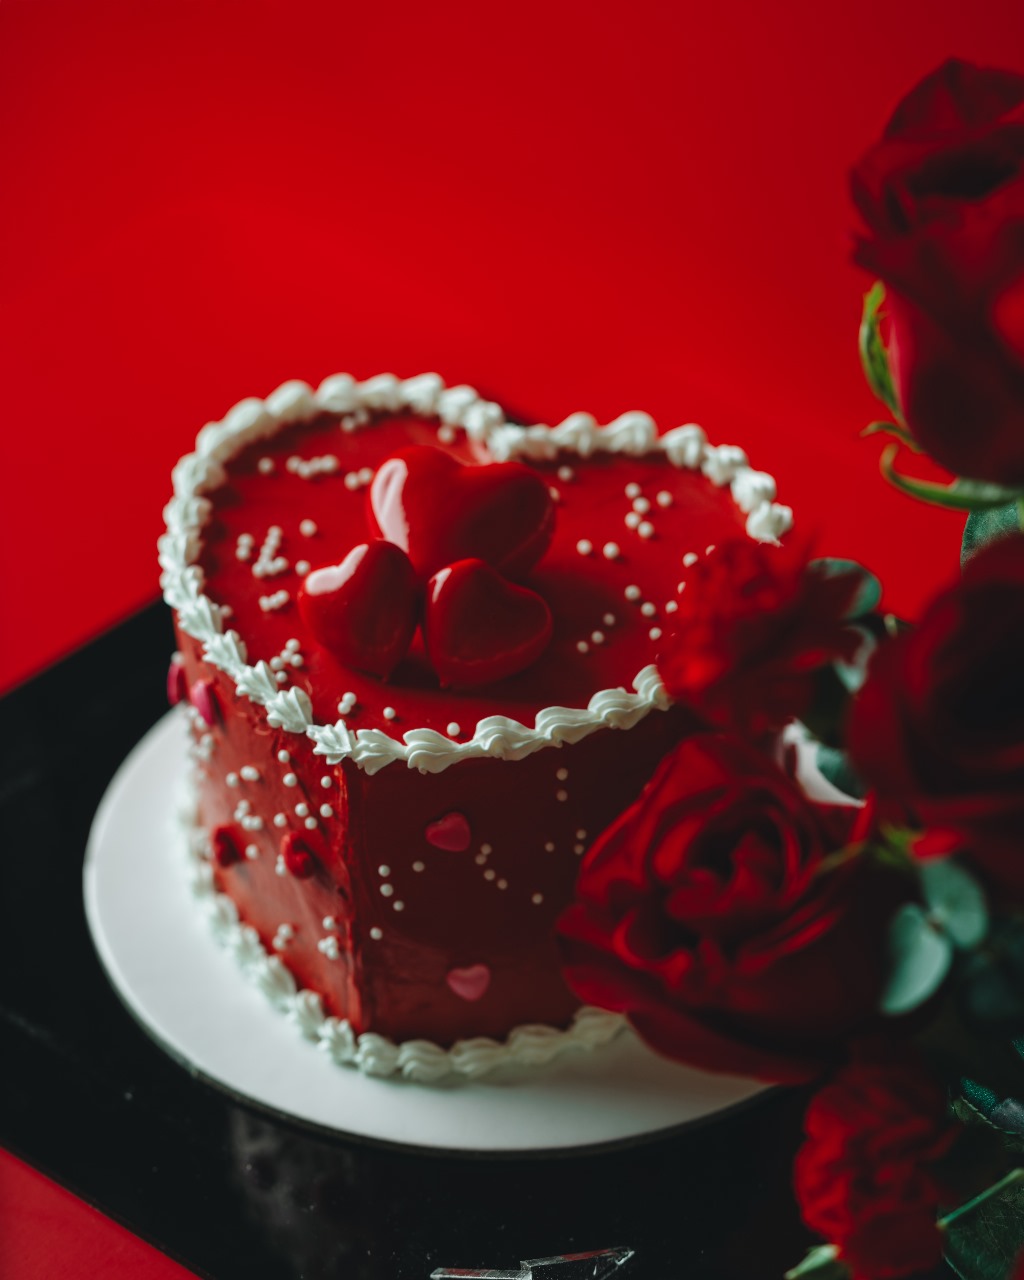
<point x="820" y="1263"/>
<point x="874" y="358"/>
<point x="985" y="526"/>
<point x="955" y="901"/>
<point x="920" y="958"/>
<point x="853" y="674"/>
<point x="869" y="590"/>
<point x="891" y="429"/>
<point x="961" y="495"/>
<point x="834" y="766"/>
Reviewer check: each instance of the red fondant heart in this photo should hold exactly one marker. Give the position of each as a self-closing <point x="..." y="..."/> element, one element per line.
<point x="298" y="857"/>
<point x="479" y="627"/>
<point x="450" y="832"/>
<point x="225" y="847"/>
<point x="439" y="511"/>
<point x="363" y="610"/>
<point x="470" y="983"/>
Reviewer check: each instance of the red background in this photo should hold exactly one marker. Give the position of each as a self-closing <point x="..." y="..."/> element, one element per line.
<point x="568" y="204"/>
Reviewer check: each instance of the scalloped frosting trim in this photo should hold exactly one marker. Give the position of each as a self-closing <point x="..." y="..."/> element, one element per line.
<point x="422" y="1061"/>
<point x="634" y="433"/>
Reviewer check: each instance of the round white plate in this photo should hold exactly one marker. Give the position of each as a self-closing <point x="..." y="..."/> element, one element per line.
<point x="188" y="994"/>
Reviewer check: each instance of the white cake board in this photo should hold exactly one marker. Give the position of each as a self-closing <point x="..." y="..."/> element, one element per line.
<point x="189" y="995"/>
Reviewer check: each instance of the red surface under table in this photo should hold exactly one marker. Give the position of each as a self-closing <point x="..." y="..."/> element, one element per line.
<point x="46" y="1233"/>
<point x="571" y="206"/>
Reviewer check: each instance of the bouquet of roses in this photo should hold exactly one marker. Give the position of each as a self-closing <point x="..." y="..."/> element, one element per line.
<point x="826" y="883"/>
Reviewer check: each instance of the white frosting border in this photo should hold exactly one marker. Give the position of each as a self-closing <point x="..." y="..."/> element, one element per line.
<point x="633" y="433"/>
<point x="530" y="1045"/>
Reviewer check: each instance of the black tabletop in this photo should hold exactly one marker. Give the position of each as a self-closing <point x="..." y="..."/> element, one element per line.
<point x="233" y="1192"/>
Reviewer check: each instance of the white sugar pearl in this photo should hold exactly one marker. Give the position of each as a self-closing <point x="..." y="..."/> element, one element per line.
<point x="565" y="474"/>
<point x="611" y="550"/>
<point x="307" y="528"/>
<point x="398" y="906"/>
<point x="419" y="866"/>
<point x="265" y="466"/>
<point x="453" y="730"/>
<point x="584" y="546"/>
<point x="597" y="637"/>
<point x="632" y="593"/>
<point x="642" y="505"/>
<point x="648" y="609"/>
<point x="252" y="851"/>
<point x="302" y="567"/>
<point x="326" y="811"/>
<point x="690" y="558"/>
<point x="250" y="773"/>
<point x="655" y="633"/>
<point x="387" y="890"/>
<point x="280" y="819"/>
<point x="290" y="780"/>
<point x="549" y="847"/>
<point x="645" y="529"/>
<point x="283" y="757"/>
<point x="351" y="481"/>
<point x="310" y="824"/>
<point x="633" y="520"/>
<point x="561" y="774"/>
<point x="232" y="779"/>
<point x="561" y="795"/>
<point x="302" y="810"/>
<point x="389" y="713"/>
<point x="609" y="619"/>
<point x="632" y="490"/>
<point x="537" y="899"/>
<point x="326" y="780"/>
<point x="582" y="646"/>
<point x="376" y="934"/>
<point x="671" y="606"/>
<point x="664" y="498"/>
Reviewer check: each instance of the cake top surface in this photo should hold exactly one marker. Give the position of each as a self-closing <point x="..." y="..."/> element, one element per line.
<point x="281" y="487"/>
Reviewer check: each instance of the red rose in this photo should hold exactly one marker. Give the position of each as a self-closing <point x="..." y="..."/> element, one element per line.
<point x="867" y="1177"/>
<point x="753" y="625"/>
<point x="942" y="194"/>
<point x="704" y="913"/>
<point x="938" y="727"/>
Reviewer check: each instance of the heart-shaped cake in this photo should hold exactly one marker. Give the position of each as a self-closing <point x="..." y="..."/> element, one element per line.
<point x="398" y="812"/>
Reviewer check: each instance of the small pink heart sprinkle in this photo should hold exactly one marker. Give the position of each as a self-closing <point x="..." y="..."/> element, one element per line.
<point x="204" y="700"/>
<point x="450" y="832"/>
<point x="469" y="983"/>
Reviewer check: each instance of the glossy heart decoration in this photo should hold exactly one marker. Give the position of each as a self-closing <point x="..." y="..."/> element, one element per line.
<point x="479" y="627"/>
<point x="364" y="610"/>
<point x="439" y="511"/>
<point x="450" y="832"/>
<point x="470" y="983"/>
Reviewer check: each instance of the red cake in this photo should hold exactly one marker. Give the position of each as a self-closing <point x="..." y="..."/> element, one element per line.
<point x="417" y="645"/>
